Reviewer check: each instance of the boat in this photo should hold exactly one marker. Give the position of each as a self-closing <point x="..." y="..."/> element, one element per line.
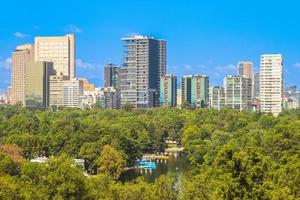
<point x="146" y="164"/>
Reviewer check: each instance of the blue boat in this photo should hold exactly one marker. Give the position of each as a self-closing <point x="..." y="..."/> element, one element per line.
<point x="146" y="164"/>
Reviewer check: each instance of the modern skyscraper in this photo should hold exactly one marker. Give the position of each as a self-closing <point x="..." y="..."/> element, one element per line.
<point x="271" y="83"/>
<point x="216" y="97"/>
<point x="245" y="69"/>
<point x="162" y="57"/>
<point x="111" y="76"/>
<point x="72" y="92"/>
<point x="199" y="91"/>
<point x="236" y="92"/>
<point x="144" y="64"/>
<point x="37" y="84"/>
<point x="186" y="82"/>
<point x="168" y="91"/>
<point x="20" y="57"/>
<point x="256" y="85"/>
<point x="60" y="51"/>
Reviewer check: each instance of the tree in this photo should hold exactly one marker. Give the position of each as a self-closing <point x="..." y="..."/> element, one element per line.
<point x="102" y="187"/>
<point x="8" y="166"/>
<point x="13" y="151"/>
<point x="164" y="188"/>
<point x="128" y="107"/>
<point x="111" y="162"/>
<point x="9" y="189"/>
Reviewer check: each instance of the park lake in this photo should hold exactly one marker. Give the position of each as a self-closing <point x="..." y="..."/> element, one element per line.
<point x="176" y="164"/>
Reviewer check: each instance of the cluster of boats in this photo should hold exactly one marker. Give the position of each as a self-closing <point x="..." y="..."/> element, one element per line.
<point x="146" y="164"/>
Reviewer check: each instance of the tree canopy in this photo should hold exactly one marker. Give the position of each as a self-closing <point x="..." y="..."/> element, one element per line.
<point x="234" y="155"/>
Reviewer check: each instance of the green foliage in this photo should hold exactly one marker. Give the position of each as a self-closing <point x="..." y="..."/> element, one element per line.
<point x="111" y="162"/>
<point x="8" y="165"/>
<point x="235" y="155"/>
<point x="9" y="188"/>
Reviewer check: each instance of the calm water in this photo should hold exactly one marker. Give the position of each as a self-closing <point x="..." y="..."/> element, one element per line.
<point x="174" y="165"/>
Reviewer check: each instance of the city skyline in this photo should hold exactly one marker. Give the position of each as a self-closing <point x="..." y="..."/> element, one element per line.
<point x="203" y="38"/>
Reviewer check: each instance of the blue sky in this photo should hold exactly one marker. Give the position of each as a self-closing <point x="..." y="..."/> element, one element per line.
<point x="204" y="36"/>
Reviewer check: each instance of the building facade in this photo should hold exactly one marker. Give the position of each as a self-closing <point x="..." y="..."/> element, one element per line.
<point x="56" y="90"/>
<point x="236" y="92"/>
<point x="111" y="76"/>
<point x="168" y="91"/>
<point x="20" y="57"/>
<point x="179" y="99"/>
<point x="271" y="83"/>
<point x="37" y="84"/>
<point x="216" y="97"/>
<point x="186" y="82"/>
<point x="144" y="64"/>
<point x="256" y="85"/>
<point x="245" y="69"/>
<point x="200" y="91"/>
<point x="60" y="51"/>
<point x="72" y="92"/>
<point x="107" y="98"/>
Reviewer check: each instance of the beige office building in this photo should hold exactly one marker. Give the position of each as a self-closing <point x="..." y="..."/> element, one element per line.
<point x="20" y="57"/>
<point x="56" y="90"/>
<point x="37" y="84"/>
<point x="271" y="83"/>
<point x="245" y="69"/>
<point x="60" y="51"/>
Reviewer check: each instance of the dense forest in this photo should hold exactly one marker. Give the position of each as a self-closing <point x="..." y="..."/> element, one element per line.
<point x="234" y="155"/>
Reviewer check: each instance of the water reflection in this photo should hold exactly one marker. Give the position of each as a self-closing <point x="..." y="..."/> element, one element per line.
<point x="176" y="164"/>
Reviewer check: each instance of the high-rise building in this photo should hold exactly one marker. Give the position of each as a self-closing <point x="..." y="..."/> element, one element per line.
<point x="245" y="69"/>
<point x="162" y="57"/>
<point x="37" y="84"/>
<point x="144" y="64"/>
<point x="186" y="82"/>
<point x="236" y="92"/>
<point x="179" y="99"/>
<point x="111" y="76"/>
<point x="72" y="92"/>
<point x="200" y="91"/>
<point x="216" y="97"/>
<point x="60" y="51"/>
<point x="271" y="83"/>
<point x="20" y="57"/>
<point x="256" y="85"/>
<point x="56" y="90"/>
<point x="168" y="91"/>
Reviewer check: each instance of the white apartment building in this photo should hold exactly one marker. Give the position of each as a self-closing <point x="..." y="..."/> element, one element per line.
<point x="271" y="83"/>
<point x="216" y="97"/>
<point x="236" y="92"/>
<point x="72" y="92"/>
